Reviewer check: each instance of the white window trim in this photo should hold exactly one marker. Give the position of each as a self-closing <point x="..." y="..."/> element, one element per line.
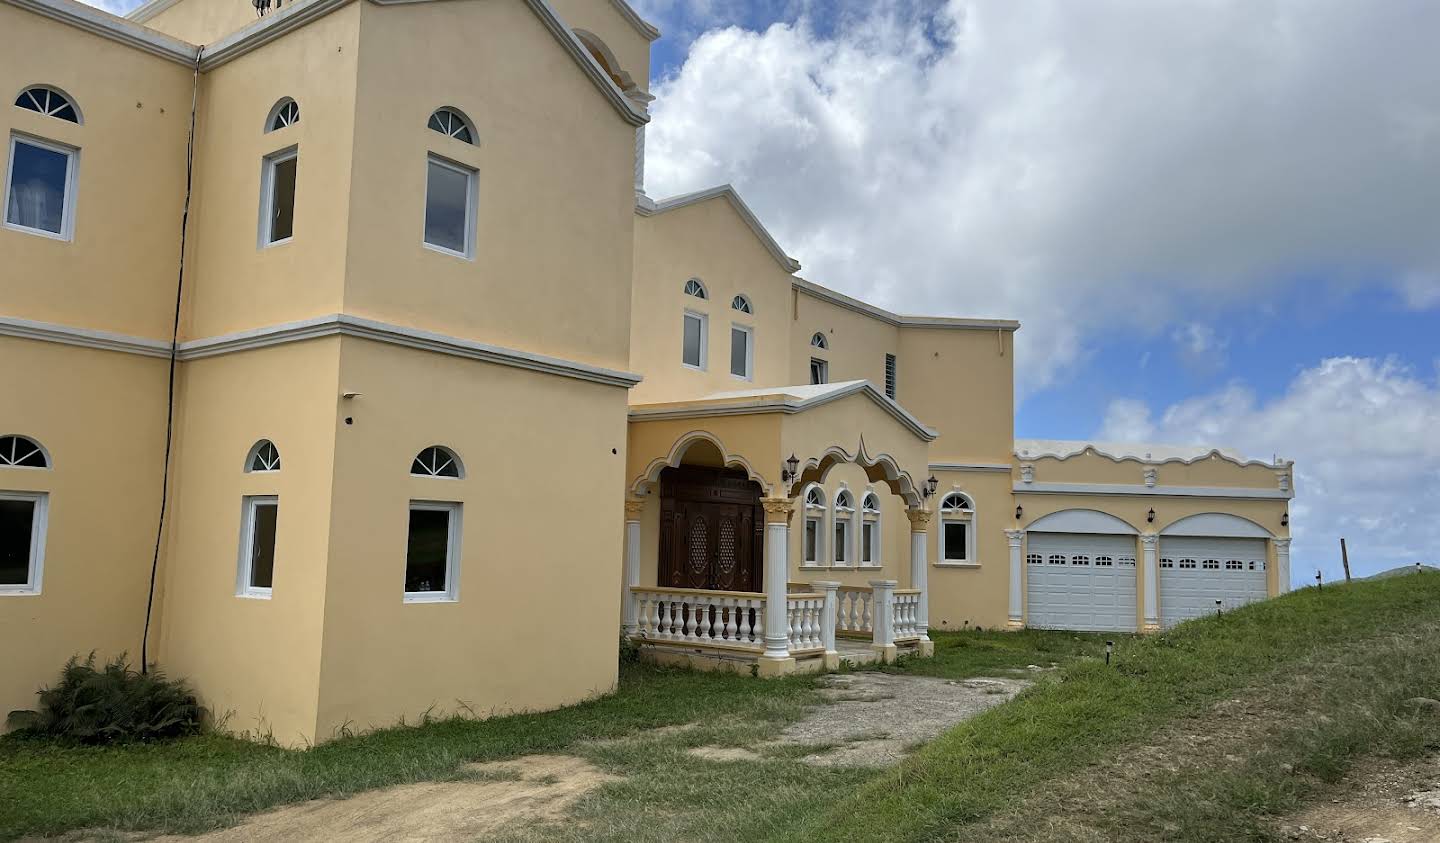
<point x="825" y="369"/>
<point x="243" y="588"/>
<point x="971" y="560"/>
<point x="472" y="205"/>
<point x="749" y="332"/>
<point x="877" y="542"/>
<point x="704" y="340"/>
<point x="38" y="524"/>
<point x="451" y="594"/>
<point x="267" y="195"/>
<point x="72" y="168"/>
<point x="816" y="513"/>
<point x="843" y="516"/>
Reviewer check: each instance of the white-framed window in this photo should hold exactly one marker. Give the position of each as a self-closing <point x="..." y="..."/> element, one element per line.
<point x="957" y="530"/>
<point x="741" y="304"/>
<point x="451" y="196"/>
<point x="22" y="452"/>
<point x="432" y="552"/>
<point x="278" y="173"/>
<point x="263" y="456"/>
<point x="51" y="102"/>
<point x="285" y="112"/>
<point x="742" y="351"/>
<point x="817" y="340"/>
<point x="814" y="537"/>
<point x="870" y="531"/>
<point x="23" y="517"/>
<point x="258" y="523"/>
<point x="819" y="371"/>
<point x="890" y="376"/>
<point x="695" y="287"/>
<point x="437" y="461"/>
<point x="40" y="187"/>
<point x="695" y="340"/>
<point x="452" y="123"/>
<point x="844" y="516"/>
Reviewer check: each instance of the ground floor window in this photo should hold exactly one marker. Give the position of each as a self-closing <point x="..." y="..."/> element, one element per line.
<point x="842" y="540"/>
<point x="22" y="541"/>
<point x="257" y="545"/>
<point x="433" y="552"/>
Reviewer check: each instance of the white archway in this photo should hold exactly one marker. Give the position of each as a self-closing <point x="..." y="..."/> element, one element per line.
<point x="1082" y="521"/>
<point x="1221" y="524"/>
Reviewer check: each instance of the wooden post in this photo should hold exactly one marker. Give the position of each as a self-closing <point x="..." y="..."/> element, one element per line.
<point x="1345" y="558"/>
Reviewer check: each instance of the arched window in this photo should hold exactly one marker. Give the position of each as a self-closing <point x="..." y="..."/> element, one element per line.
<point x="449" y="121"/>
<point x="957" y="530"/>
<point x="22" y="452"/>
<point x="870" y="531"/>
<point x="819" y="341"/>
<point x="814" y="536"/>
<point x="815" y="496"/>
<point x="844" y="514"/>
<point x="741" y="304"/>
<point x="871" y="502"/>
<point x="695" y="288"/>
<point x="49" y="102"/>
<point x="284" y="113"/>
<point x="843" y="500"/>
<point x="436" y="461"/>
<point x="264" y="456"/>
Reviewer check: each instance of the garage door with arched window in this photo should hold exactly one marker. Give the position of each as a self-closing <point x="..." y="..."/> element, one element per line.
<point x="1080" y="572"/>
<point x="1209" y="563"/>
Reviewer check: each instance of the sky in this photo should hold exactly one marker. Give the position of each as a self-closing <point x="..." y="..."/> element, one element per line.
<point x="1218" y="221"/>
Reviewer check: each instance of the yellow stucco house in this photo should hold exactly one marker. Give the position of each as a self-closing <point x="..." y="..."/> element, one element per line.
<point x="367" y="300"/>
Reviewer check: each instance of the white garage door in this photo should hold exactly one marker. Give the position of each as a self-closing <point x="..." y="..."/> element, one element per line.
<point x="1080" y="581"/>
<point x="1195" y="572"/>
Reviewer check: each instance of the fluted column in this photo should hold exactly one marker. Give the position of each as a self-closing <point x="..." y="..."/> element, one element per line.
<point x="1148" y="544"/>
<point x="1282" y="565"/>
<point x="777" y="660"/>
<point x="633" y="509"/>
<point x="919" y="565"/>
<point x="1017" y="595"/>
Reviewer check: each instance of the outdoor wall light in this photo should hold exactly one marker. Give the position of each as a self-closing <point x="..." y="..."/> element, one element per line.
<point x="1150" y="516"/>
<point x="1285" y="520"/>
<point x="788" y="473"/>
<point x="931" y="485"/>
<point x="1109" y="648"/>
<point x="1019" y="512"/>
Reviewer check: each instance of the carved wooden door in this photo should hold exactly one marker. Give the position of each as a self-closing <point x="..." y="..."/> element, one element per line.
<point x="709" y="531"/>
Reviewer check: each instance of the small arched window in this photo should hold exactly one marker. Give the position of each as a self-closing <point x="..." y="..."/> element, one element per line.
<point x="22" y="452"/>
<point x="284" y="113"/>
<point x="449" y="121"/>
<point x="695" y="288"/>
<point x="436" y="461"/>
<point x="264" y="456"/>
<point x="815" y="496"/>
<point x="957" y="530"/>
<point x="871" y="502"/>
<point x="741" y="304"/>
<point x="819" y="341"/>
<point x="843" y="500"/>
<point x="49" y="102"/>
<point x="956" y="503"/>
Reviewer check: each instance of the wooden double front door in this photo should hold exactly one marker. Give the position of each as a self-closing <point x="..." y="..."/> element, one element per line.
<point x="711" y="530"/>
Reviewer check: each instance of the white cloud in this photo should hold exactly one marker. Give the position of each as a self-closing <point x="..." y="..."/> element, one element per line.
<point x="1090" y="168"/>
<point x="1365" y="435"/>
<point x="1200" y="348"/>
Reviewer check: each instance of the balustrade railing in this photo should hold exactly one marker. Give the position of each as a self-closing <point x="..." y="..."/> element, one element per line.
<point x="854" y="612"/>
<point x="805" y="613"/>
<point x="906" y="613"/>
<point x="729" y="618"/>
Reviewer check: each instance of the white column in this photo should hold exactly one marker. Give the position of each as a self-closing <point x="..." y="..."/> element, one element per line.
<point x="633" y="508"/>
<point x="1282" y="565"/>
<point x="1148" y="543"/>
<point x="827" y="621"/>
<point x="1017" y="602"/>
<point x="777" y="574"/>
<point x="919" y="565"/>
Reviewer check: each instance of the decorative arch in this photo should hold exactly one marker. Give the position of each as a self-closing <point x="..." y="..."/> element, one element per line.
<point x="1082" y="521"/>
<point x="18" y="451"/>
<point x="438" y="461"/>
<point x="1221" y="524"/>
<point x="957" y="501"/>
<point x="651" y="475"/>
<point x="605" y="57"/>
<point x="51" y="102"/>
<point x="880" y="468"/>
<point x="263" y="456"/>
<point x="285" y="112"/>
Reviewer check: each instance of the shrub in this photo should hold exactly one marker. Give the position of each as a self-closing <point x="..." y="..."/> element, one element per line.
<point x="629" y="650"/>
<point x="115" y="703"/>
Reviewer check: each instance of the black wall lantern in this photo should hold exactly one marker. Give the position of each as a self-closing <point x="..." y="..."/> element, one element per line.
<point x="1285" y="520"/>
<point x="789" y="474"/>
<point x="1019" y="512"/>
<point x="1150" y="516"/>
<point x="928" y="489"/>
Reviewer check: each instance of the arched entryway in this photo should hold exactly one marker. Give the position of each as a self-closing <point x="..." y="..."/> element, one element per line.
<point x="711" y="529"/>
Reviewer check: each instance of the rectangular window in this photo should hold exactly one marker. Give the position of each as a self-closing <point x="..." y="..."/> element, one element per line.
<point x="257" y="545"/>
<point x="22" y="541"/>
<point x="277" y="196"/>
<point x="957" y="538"/>
<point x="868" y="535"/>
<point x="742" y="354"/>
<point x="40" y="188"/>
<point x="812" y="541"/>
<point x="890" y="376"/>
<point x="819" y="371"/>
<point x="695" y="340"/>
<point x="450" y="194"/>
<point x="842" y="541"/>
<point x="432" y="556"/>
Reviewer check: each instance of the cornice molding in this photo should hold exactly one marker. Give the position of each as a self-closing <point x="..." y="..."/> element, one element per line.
<point x="106" y="25"/>
<point x="1083" y="448"/>
<point x="826" y="294"/>
<point x="997" y="467"/>
<point x="642" y="26"/>
<point x="1140" y="490"/>
<point x="335" y="324"/>
<point x="646" y="207"/>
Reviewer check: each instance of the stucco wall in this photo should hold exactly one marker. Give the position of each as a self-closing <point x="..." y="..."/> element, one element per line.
<point x="105" y="435"/>
<point x="962" y="383"/>
<point x="1211" y="471"/>
<point x="534" y="625"/>
<point x="118" y="274"/>
<point x="979" y="594"/>
<point x="204" y="21"/>
<point x="858" y="343"/>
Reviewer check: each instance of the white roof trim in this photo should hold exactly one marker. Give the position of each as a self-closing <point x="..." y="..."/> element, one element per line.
<point x="641" y="25"/>
<point x="1148" y="454"/>
<point x="106" y="25"/>
<point x="335" y="324"/>
<point x="788" y="400"/>
<point x="900" y="321"/>
<point x="997" y="467"/>
<point x="148" y="10"/>
<point x="646" y="207"/>
<point x="1141" y="490"/>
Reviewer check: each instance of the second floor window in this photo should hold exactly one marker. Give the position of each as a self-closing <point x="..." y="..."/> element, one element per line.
<point x="40" y="196"/>
<point x="277" y="197"/>
<point x="819" y="371"/>
<point x="742" y="352"/>
<point x="890" y="376"/>
<point x="693" y="341"/>
<point x="450" y="207"/>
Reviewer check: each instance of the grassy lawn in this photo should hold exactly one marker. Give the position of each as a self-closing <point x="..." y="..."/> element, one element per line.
<point x="1324" y="674"/>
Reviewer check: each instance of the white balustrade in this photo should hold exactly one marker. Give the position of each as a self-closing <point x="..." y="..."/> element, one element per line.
<point x="731" y="618"/>
<point x="906" y="614"/>
<point x="855" y="613"/>
<point x="806" y="625"/>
